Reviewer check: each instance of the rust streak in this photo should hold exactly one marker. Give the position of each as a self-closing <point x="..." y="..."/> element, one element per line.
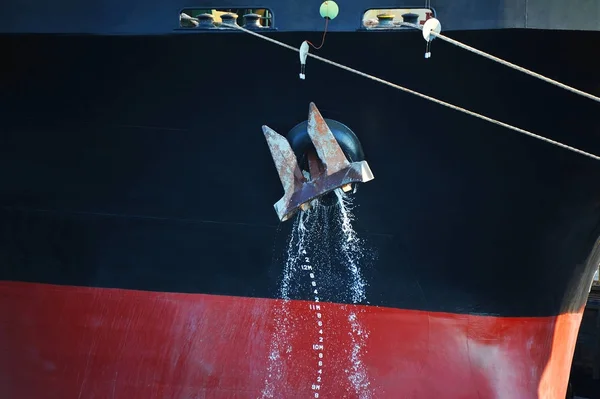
<point x="327" y="147"/>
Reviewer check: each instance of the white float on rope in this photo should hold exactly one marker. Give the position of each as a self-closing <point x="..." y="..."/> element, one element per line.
<point x="431" y="25"/>
<point x="303" y="54"/>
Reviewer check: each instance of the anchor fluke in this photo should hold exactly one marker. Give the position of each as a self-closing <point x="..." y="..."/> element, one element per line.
<point x="285" y="160"/>
<point x="328" y="167"/>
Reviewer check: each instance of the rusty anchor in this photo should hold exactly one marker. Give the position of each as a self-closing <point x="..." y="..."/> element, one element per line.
<point x="328" y="167"/>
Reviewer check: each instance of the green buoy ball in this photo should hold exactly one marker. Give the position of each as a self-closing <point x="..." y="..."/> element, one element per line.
<point x="329" y="9"/>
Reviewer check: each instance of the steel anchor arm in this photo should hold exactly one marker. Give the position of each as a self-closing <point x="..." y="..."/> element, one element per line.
<point x="328" y="165"/>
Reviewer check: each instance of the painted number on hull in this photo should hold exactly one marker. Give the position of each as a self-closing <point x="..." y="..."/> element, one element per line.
<point x="316" y="308"/>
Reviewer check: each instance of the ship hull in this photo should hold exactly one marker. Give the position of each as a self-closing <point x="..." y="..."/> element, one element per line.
<point x="68" y="342"/>
<point x="140" y="251"/>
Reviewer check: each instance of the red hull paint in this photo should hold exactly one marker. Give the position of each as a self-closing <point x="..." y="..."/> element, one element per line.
<point x="70" y="342"/>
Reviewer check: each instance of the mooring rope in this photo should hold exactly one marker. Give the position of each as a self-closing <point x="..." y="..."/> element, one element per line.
<point x="506" y="63"/>
<point x="416" y="93"/>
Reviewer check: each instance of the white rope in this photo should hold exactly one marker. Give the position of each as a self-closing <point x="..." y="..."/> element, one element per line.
<point x="506" y="63"/>
<point x="416" y="93"/>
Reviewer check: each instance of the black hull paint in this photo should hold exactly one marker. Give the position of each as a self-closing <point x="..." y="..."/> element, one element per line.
<point x="139" y="162"/>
